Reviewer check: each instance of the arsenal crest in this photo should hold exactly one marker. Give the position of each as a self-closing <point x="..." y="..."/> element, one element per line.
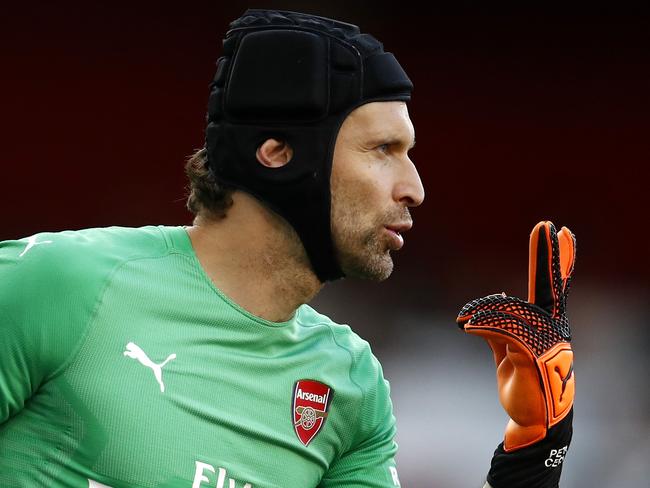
<point x="311" y="400"/>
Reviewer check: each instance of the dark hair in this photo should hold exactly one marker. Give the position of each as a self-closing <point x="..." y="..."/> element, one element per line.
<point x="206" y="196"/>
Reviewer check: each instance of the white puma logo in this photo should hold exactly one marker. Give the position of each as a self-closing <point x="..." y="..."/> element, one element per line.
<point x="134" y="351"/>
<point x="31" y="242"/>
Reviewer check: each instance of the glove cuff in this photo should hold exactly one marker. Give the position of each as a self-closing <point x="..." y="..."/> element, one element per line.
<point x="536" y="466"/>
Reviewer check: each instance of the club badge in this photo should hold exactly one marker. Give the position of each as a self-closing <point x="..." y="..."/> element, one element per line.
<point x="311" y="400"/>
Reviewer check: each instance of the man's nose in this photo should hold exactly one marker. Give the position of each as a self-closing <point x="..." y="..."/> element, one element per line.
<point x="409" y="189"/>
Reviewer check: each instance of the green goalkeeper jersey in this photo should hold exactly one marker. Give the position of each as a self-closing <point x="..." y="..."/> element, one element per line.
<point x="122" y="365"/>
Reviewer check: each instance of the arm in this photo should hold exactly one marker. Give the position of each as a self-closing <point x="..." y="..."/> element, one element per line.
<point x="532" y="351"/>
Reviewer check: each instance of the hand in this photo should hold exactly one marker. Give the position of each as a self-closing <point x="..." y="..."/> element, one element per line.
<point x="531" y="340"/>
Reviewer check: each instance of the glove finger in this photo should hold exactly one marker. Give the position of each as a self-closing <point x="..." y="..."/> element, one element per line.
<point x="498" y="301"/>
<point x="533" y="336"/>
<point x="502" y="329"/>
<point x="544" y="277"/>
<point x="567" y="242"/>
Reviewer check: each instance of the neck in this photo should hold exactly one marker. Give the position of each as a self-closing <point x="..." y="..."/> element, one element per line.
<point x="256" y="259"/>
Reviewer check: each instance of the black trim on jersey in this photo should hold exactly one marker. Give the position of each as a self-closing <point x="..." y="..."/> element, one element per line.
<point x="536" y="466"/>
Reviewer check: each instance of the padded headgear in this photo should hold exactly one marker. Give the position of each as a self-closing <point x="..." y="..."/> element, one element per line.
<point x="293" y="77"/>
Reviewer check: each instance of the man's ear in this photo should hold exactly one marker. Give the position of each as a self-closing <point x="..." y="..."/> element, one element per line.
<point x="274" y="154"/>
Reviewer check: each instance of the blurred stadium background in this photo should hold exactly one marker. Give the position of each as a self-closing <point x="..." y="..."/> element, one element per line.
<point x="521" y="115"/>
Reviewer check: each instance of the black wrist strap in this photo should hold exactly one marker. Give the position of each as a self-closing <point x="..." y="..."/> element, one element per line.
<point x="536" y="466"/>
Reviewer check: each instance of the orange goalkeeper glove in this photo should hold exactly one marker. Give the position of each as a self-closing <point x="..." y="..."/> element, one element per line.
<point x="530" y="340"/>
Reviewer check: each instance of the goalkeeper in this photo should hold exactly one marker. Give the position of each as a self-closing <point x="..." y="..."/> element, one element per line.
<point x="188" y="357"/>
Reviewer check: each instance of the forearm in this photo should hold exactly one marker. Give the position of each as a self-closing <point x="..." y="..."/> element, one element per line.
<point x="535" y="466"/>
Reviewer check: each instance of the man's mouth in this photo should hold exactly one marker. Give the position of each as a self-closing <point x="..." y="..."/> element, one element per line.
<point x="395" y="232"/>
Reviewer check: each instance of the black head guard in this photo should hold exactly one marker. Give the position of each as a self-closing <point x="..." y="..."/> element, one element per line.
<point x="294" y="77"/>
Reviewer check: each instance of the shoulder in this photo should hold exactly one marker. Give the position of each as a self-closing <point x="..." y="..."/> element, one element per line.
<point x="367" y="394"/>
<point x="365" y="368"/>
<point x="96" y="240"/>
<point x="51" y="264"/>
<point x="342" y="334"/>
<point x="75" y="248"/>
<point x="52" y="283"/>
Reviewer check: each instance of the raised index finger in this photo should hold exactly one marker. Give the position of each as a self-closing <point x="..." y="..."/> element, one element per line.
<point x="544" y="275"/>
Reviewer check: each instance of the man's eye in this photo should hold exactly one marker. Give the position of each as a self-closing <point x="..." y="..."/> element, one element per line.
<point x="383" y="148"/>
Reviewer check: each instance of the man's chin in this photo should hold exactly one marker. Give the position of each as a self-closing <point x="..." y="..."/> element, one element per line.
<point x="375" y="270"/>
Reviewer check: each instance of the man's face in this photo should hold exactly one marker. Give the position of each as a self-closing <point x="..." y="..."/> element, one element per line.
<point x="373" y="185"/>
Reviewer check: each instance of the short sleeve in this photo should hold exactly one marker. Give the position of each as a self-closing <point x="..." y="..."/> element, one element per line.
<point x="370" y="460"/>
<point x="48" y="290"/>
<point x="20" y="359"/>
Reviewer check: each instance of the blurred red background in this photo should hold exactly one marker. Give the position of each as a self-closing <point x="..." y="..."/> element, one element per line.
<point x="520" y="115"/>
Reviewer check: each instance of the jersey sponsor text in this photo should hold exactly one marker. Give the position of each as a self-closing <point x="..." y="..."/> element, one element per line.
<point x="393" y="475"/>
<point x="200" y="477"/>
